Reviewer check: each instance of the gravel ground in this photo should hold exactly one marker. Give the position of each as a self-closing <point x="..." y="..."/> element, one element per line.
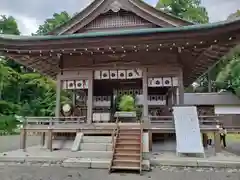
<point x="10" y="143"/>
<point x="165" y="173"/>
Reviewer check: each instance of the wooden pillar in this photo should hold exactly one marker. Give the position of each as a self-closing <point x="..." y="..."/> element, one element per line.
<point x="150" y="140"/>
<point x="145" y="94"/>
<point x="169" y="98"/>
<point x="181" y="88"/>
<point x="177" y="96"/>
<point x="43" y="138"/>
<point x="58" y="97"/>
<point x="174" y="96"/>
<point x="209" y="81"/>
<point x="23" y="139"/>
<point x="50" y="138"/>
<point x="74" y="98"/>
<point x="205" y="140"/>
<point x="217" y="143"/>
<point x="90" y="98"/>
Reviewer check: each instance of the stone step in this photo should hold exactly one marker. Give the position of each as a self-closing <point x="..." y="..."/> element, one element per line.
<point x="87" y="163"/>
<point x="96" y="147"/>
<point x="61" y="144"/>
<point x="97" y="139"/>
<point x="95" y="154"/>
<point x="95" y="163"/>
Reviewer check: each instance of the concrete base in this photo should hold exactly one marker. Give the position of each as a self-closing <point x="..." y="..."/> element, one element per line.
<point x="101" y="159"/>
<point x="96" y="163"/>
<point x="42" y="157"/>
<point x="220" y="160"/>
<point x="195" y="163"/>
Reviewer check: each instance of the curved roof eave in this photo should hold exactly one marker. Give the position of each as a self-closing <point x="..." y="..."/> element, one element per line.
<point x="195" y="28"/>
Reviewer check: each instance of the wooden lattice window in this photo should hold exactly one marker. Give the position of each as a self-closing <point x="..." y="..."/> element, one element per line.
<point x="118" y="19"/>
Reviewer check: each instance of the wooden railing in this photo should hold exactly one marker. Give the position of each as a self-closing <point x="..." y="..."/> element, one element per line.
<point x="50" y="121"/>
<point x="168" y="120"/>
<point x="114" y="140"/>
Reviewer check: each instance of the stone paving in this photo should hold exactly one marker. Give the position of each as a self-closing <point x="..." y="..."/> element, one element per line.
<point x="165" y="173"/>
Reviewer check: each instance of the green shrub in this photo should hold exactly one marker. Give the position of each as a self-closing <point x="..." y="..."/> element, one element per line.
<point x="8" y="108"/>
<point x="127" y="103"/>
<point x="8" y="123"/>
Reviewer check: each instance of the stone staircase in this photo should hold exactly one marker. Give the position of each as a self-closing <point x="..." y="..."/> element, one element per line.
<point x="127" y="153"/>
<point x="93" y="152"/>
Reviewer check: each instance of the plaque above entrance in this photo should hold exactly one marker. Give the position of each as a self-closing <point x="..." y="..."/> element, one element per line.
<point x="118" y="74"/>
<point x="163" y="82"/>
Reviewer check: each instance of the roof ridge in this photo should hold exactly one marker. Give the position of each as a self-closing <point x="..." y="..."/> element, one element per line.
<point x="96" y="3"/>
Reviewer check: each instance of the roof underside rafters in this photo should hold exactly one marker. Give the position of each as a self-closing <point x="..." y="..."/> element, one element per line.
<point x="206" y="44"/>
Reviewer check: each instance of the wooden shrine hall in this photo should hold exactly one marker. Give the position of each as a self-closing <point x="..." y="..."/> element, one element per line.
<point x="117" y="47"/>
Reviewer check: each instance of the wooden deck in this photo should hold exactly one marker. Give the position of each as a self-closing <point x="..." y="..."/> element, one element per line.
<point x="156" y="124"/>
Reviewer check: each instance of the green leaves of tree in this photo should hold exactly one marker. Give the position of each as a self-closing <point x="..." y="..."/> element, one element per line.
<point x="57" y="20"/>
<point x="8" y="25"/>
<point x="186" y="9"/>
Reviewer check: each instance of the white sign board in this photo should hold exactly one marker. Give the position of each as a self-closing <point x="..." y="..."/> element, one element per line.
<point x="187" y="129"/>
<point x="227" y="109"/>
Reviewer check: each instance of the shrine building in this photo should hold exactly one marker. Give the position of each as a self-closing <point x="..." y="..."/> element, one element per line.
<point x="118" y="47"/>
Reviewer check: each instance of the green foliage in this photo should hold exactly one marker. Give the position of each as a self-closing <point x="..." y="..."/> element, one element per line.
<point x="8" y="25"/>
<point x="8" y="124"/>
<point x="234" y="15"/>
<point x="127" y="103"/>
<point x="186" y="9"/>
<point x="226" y="73"/>
<point x="229" y="76"/>
<point x="21" y="93"/>
<point x="50" y="24"/>
<point x="8" y="108"/>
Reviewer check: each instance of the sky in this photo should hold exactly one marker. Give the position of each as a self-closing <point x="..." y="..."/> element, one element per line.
<point x="31" y="13"/>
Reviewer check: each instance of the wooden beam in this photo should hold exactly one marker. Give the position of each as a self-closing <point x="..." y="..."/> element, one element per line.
<point x="23" y="139"/>
<point x="217" y="142"/>
<point x="43" y="139"/>
<point x="50" y="138"/>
